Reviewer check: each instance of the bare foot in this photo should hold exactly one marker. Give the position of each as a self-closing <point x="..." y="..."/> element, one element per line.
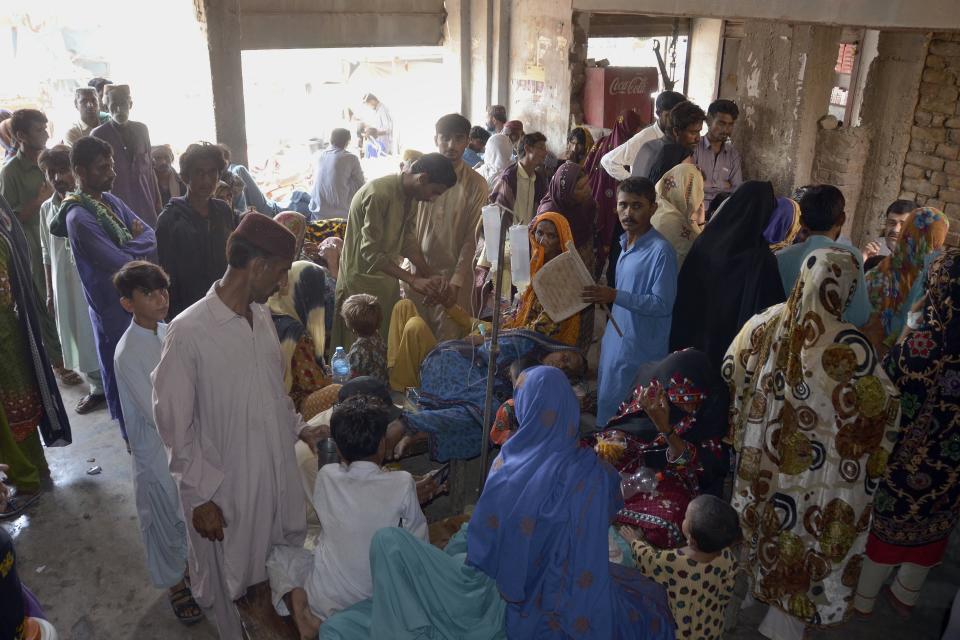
<point x="307" y="624"/>
<point x="395" y="432"/>
<point x="427" y="488"/>
<point x="406" y="442"/>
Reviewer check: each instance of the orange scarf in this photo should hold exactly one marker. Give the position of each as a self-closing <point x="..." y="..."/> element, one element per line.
<point x="527" y="316"/>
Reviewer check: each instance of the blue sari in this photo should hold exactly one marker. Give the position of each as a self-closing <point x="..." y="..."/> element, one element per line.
<point x="453" y="385"/>
<point x="536" y="562"/>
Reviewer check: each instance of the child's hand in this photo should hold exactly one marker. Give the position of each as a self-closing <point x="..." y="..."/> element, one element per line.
<point x="628" y="533"/>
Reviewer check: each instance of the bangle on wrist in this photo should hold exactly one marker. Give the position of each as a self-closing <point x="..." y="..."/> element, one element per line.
<point x="680" y="459"/>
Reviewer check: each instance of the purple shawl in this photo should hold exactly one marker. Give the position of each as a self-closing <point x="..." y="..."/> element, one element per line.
<point x="560" y="199"/>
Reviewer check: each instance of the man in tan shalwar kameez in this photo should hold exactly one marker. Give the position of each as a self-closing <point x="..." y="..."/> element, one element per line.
<point x="447" y="229"/>
<point x="230" y="427"/>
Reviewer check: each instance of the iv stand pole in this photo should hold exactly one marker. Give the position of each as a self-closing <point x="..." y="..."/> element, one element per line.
<point x="506" y="218"/>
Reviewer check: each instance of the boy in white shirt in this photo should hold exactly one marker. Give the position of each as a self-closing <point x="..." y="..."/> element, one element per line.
<point x="353" y="499"/>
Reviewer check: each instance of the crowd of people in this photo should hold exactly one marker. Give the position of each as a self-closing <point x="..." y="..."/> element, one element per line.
<point x="768" y="401"/>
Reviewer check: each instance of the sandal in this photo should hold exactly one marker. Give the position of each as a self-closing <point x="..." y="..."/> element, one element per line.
<point x="185" y="607"/>
<point x="90" y="403"/>
<point x="67" y="377"/>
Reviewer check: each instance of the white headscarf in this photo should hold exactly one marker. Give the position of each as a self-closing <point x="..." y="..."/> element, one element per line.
<point x="496" y="157"/>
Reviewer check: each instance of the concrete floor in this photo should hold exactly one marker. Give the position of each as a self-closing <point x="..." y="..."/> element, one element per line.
<point x="79" y="550"/>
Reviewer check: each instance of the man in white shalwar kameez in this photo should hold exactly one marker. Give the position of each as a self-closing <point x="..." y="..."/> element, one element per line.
<point x="230" y="427"/>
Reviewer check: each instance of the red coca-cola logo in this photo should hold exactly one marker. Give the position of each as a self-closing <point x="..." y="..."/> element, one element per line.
<point x="633" y="86"/>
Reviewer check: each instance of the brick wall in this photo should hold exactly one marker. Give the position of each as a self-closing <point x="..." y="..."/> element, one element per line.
<point x="931" y="173"/>
<point x="839" y="160"/>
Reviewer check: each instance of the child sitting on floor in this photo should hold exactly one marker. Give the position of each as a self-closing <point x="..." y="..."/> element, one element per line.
<point x="368" y="355"/>
<point x="353" y="499"/>
<point x="699" y="578"/>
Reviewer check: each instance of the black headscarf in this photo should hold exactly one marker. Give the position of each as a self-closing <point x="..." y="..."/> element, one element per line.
<point x="670" y="156"/>
<point x="729" y="275"/>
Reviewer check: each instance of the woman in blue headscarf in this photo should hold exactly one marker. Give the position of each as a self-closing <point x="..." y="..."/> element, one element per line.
<point x="536" y="562"/>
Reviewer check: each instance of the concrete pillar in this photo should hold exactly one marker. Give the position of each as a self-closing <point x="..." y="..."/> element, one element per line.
<point x="478" y="37"/>
<point x="484" y="40"/>
<point x="785" y="77"/>
<point x="889" y="99"/>
<point x="578" y="66"/>
<point x="221" y="19"/>
<point x="501" y="18"/>
<point x="457" y="43"/>
<point x="706" y="39"/>
<point x="540" y="37"/>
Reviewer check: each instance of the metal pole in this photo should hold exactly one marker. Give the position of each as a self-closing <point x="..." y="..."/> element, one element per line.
<point x="506" y="217"/>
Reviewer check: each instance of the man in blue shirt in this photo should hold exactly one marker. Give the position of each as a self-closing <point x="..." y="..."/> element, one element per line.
<point x="476" y="143"/>
<point x="822" y="215"/>
<point x="642" y="302"/>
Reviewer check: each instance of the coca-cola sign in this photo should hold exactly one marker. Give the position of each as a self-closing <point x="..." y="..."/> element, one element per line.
<point x="629" y="86"/>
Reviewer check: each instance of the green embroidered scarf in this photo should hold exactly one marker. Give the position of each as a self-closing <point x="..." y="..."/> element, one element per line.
<point x="108" y="220"/>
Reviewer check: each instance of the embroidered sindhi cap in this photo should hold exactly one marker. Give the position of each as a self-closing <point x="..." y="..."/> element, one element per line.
<point x="264" y="233"/>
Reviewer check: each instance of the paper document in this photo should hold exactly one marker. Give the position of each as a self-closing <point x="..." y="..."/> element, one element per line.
<point x="559" y="285"/>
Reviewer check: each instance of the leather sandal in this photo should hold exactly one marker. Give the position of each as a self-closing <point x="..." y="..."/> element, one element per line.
<point x="90" y="403"/>
<point x="185" y="607"/>
<point x="67" y="377"/>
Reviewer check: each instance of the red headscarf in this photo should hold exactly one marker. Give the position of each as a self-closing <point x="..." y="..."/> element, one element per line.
<point x="528" y="315"/>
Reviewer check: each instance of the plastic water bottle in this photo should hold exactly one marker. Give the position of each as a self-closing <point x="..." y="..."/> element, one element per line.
<point x="340" y="365"/>
<point x="644" y="480"/>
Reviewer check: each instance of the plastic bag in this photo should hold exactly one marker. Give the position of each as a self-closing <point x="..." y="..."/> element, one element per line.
<point x="519" y="237"/>
<point x="491" y="233"/>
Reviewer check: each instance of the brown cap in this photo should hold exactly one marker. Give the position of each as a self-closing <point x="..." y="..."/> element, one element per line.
<point x="265" y="233"/>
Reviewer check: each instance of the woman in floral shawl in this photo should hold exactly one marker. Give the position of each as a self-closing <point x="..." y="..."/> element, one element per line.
<point x="302" y="312"/>
<point x="918" y="502"/>
<point x="896" y="283"/>
<point x="296" y="223"/>
<point x="813" y="418"/>
<point x="679" y="215"/>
